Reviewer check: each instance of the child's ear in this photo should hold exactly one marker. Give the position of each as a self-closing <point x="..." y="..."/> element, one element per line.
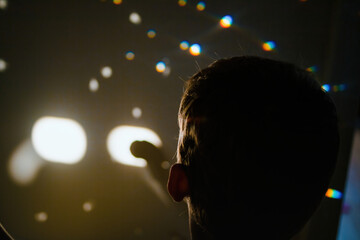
<point x="178" y="184"/>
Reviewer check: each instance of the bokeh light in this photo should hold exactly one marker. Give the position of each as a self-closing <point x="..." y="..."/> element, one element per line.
<point x="130" y="55"/>
<point x="326" y="87"/>
<point x="3" y="65"/>
<point x="93" y="85"/>
<point x="182" y="3"/>
<point x="160" y="67"/>
<point x="41" y="216"/>
<point x="200" y="6"/>
<point x="342" y="87"/>
<point x="165" y="165"/>
<point x="167" y="71"/>
<point x="195" y="49"/>
<point x="120" y="139"/>
<point x="334" y="88"/>
<point x="135" y="18"/>
<point x="184" y="45"/>
<point x="136" y="112"/>
<point x="117" y="2"/>
<point x="24" y="164"/>
<point x="339" y="87"/>
<point x="88" y="206"/>
<point x="60" y="140"/>
<point x="269" y="46"/>
<point x="312" y="69"/>
<point x="333" y="193"/>
<point x="151" y="33"/>
<point x="106" y="72"/>
<point x="3" y="4"/>
<point x="226" y="21"/>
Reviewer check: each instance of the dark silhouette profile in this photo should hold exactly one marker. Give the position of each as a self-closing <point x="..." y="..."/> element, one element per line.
<point x="257" y="147"/>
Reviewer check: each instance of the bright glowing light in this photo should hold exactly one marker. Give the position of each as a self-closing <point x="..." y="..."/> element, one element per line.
<point x="184" y="45"/>
<point x="135" y="18"/>
<point x="88" y="206"/>
<point x="120" y="139"/>
<point x="59" y="140"/>
<point x="24" y="164"/>
<point x="93" y="85"/>
<point x="136" y="112"/>
<point x="226" y="21"/>
<point x="312" y="69"/>
<point x="160" y="67"/>
<point x="117" y="2"/>
<point x="200" y="6"/>
<point x="195" y="49"/>
<point x="332" y="193"/>
<point x="151" y="33"/>
<point x="3" y="65"/>
<point x="41" y="216"/>
<point x="182" y="3"/>
<point x="3" y="4"/>
<point x="326" y="87"/>
<point x="269" y="46"/>
<point x="106" y="72"/>
<point x="130" y="55"/>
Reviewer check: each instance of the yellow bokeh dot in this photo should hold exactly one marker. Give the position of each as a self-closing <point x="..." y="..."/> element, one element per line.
<point x="88" y="206"/>
<point x="200" y="6"/>
<point x="41" y="216"/>
<point x="151" y="33"/>
<point x="182" y="3"/>
<point x="130" y="55"/>
<point x="266" y="47"/>
<point x="117" y="2"/>
<point x="184" y="45"/>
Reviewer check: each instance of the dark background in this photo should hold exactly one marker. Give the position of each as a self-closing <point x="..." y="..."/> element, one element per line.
<point x="53" y="49"/>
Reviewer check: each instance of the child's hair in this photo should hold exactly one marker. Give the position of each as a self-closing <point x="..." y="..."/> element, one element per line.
<point x="259" y="139"/>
